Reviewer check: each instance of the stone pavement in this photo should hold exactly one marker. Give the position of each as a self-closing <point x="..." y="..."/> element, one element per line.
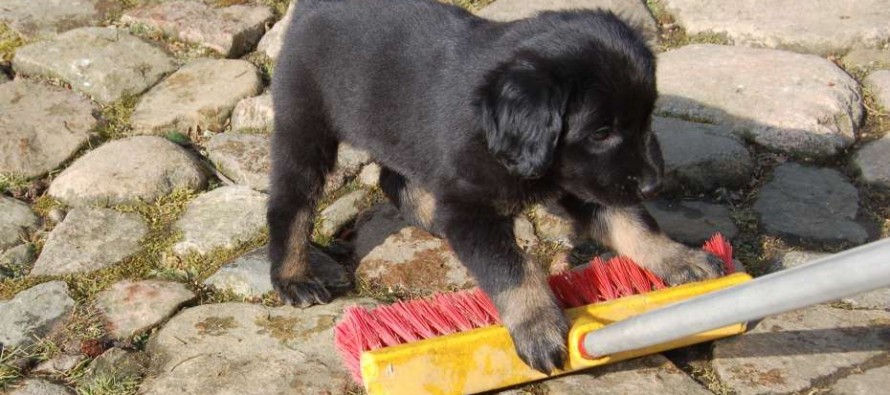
<point x="134" y="156"/>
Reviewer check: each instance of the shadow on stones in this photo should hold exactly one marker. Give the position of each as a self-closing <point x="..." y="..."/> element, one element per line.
<point x="824" y="341"/>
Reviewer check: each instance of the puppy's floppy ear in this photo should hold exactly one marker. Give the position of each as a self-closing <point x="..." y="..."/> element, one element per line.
<point x="522" y="106"/>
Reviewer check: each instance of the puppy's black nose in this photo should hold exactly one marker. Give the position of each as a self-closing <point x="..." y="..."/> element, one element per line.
<point x="649" y="187"/>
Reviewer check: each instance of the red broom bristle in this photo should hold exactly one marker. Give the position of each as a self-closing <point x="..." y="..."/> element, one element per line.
<point x="363" y="330"/>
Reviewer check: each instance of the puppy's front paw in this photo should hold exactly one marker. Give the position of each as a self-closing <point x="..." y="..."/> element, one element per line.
<point x="688" y="265"/>
<point x="540" y="336"/>
<point x="301" y="292"/>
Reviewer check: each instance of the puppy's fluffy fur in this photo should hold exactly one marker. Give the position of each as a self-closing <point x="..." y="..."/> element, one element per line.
<point x="472" y="121"/>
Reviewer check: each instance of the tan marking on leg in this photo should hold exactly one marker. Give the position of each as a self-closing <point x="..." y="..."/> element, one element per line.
<point x="296" y="262"/>
<point x="623" y="231"/>
<point x="422" y="204"/>
<point x="525" y="300"/>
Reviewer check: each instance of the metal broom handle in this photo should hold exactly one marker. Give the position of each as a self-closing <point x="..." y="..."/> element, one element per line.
<point x="847" y="273"/>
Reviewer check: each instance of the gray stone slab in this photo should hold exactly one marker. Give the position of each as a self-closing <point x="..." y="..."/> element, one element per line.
<point x="396" y="256"/>
<point x="692" y="222"/>
<point x="106" y="64"/>
<point x="653" y="374"/>
<point x="872" y="381"/>
<point x="349" y="162"/>
<point x="16" y="218"/>
<point x="812" y="204"/>
<point x="787" y="352"/>
<point x="249" y="349"/>
<point x="130" y="308"/>
<point x="248" y="275"/>
<point x="222" y="218"/>
<point x="814" y="26"/>
<point x="254" y="114"/>
<point x="201" y="95"/>
<point x="867" y="59"/>
<point x="632" y="11"/>
<point x="40" y="387"/>
<point x="34" y="313"/>
<point x="879" y="83"/>
<point x="44" y="18"/>
<point x="90" y="239"/>
<point x="343" y="210"/>
<point x="42" y="126"/>
<point x="140" y="168"/>
<point x="271" y="43"/>
<point x="872" y="161"/>
<point x="232" y="31"/>
<point x="553" y="224"/>
<point x="700" y="156"/>
<point x="369" y="176"/>
<point x="242" y="157"/>
<point x="785" y="101"/>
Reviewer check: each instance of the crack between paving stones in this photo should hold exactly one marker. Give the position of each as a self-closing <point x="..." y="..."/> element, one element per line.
<point x="826" y="382"/>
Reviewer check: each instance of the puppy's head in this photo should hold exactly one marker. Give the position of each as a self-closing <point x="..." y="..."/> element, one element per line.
<point x="575" y="105"/>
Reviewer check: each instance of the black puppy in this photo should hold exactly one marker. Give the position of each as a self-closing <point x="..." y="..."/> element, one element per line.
<point x="473" y="120"/>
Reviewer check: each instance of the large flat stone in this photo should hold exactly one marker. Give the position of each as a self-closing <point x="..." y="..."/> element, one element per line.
<point x="872" y="161"/>
<point x="632" y="11"/>
<point x="396" y="256"/>
<point x="248" y="275"/>
<point x="692" y="222"/>
<point x="222" y="218"/>
<point x="788" y="352"/>
<point x="249" y="349"/>
<point x="343" y="210"/>
<point x="40" y="387"/>
<point x="653" y="374"/>
<point x="42" y="126"/>
<point x="700" y="156"/>
<point x="867" y="59"/>
<point x="90" y="239"/>
<point x="815" y="26"/>
<point x="784" y="101"/>
<point x="104" y="63"/>
<point x="811" y="204"/>
<point x="140" y="168"/>
<point x="232" y="31"/>
<point x="44" y="18"/>
<point x="130" y="308"/>
<point x="242" y="157"/>
<point x="553" y="224"/>
<point x="879" y="83"/>
<point x="15" y="219"/>
<point x="872" y="381"/>
<point x="271" y="43"/>
<point x="201" y="95"/>
<point x="254" y="114"/>
<point x="33" y="313"/>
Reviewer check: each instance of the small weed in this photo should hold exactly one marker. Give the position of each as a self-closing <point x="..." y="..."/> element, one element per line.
<point x="471" y="5"/>
<point x="115" y="121"/>
<point x="110" y="385"/>
<point x="13" y="184"/>
<point x="9" y="42"/>
<point x="183" y="51"/>
<point x="264" y="63"/>
<point x="14" y="359"/>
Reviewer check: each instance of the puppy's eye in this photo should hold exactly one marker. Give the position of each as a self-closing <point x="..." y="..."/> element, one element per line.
<point x="601" y="133"/>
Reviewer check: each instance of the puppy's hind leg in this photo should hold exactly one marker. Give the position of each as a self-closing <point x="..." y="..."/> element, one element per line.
<point x="304" y="150"/>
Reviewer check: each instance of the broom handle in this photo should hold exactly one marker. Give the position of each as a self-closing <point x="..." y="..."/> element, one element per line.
<point x="851" y="272"/>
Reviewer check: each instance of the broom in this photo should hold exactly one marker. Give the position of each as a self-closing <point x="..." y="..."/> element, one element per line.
<point x="451" y="343"/>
